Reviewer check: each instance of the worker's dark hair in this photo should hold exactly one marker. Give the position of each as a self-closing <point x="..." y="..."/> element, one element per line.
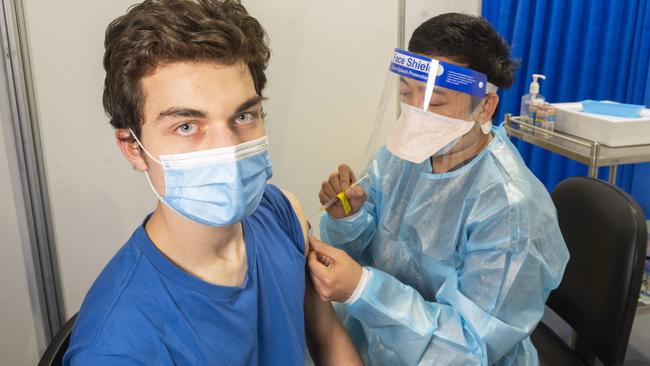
<point x="469" y="40"/>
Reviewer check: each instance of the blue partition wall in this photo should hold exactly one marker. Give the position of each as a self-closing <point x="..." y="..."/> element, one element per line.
<point x="588" y="49"/>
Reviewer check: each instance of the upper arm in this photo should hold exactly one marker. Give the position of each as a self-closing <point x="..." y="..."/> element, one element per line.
<point x="328" y="342"/>
<point x="304" y="225"/>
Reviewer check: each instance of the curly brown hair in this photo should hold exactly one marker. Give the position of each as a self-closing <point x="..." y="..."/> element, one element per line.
<point x="162" y="31"/>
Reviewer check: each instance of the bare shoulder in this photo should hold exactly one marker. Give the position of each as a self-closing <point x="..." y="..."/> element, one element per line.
<point x="297" y="208"/>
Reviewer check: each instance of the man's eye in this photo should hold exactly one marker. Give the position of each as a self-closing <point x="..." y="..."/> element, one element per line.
<point x="246" y="118"/>
<point x="186" y="128"/>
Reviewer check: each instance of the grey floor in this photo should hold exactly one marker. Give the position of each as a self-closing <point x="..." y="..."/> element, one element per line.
<point x="638" y="351"/>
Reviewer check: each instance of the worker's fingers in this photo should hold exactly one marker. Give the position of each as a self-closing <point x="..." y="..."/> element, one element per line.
<point x="353" y="177"/>
<point x="335" y="181"/>
<point x="323" y="197"/>
<point x="344" y="176"/>
<point x="325" y="260"/>
<point x="316" y="268"/>
<point x="322" y="248"/>
<point x="329" y="190"/>
<point x="355" y="192"/>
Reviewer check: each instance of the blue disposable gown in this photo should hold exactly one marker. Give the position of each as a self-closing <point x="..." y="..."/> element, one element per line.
<point x="461" y="263"/>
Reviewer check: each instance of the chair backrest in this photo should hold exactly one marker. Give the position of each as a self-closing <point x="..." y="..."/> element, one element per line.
<point x="605" y="232"/>
<point x="53" y="355"/>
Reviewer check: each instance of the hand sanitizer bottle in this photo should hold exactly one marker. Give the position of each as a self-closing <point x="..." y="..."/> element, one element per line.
<point x="532" y="100"/>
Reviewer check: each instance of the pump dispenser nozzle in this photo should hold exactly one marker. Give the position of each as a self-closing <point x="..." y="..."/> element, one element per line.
<point x="534" y="86"/>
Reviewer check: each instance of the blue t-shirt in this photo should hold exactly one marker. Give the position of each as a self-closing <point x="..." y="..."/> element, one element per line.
<point x="144" y="310"/>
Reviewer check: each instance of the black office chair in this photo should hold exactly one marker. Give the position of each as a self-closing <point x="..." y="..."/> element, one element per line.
<point x="605" y="232"/>
<point x="53" y="355"/>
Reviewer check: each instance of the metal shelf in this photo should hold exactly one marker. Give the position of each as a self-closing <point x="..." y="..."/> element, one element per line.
<point x="591" y="153"/>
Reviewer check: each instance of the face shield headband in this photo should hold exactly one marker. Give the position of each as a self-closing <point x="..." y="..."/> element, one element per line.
<point x="435" y="73"/>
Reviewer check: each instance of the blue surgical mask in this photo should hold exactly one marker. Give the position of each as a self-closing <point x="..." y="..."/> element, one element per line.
<point x="216" y="187"/>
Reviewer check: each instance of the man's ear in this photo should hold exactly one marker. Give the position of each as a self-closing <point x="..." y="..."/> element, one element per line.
<point x="489" y="106"/>
<point x="130" y="149"/>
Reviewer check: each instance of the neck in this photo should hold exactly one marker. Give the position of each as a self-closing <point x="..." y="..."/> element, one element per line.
<point x="214" y="254"/>
<point x="467" y="148"/>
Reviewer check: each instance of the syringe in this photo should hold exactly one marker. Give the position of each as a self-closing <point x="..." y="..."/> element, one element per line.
<point x="335" y="199"/>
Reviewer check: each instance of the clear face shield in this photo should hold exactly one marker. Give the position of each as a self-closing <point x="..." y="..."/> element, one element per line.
<point x="428" y="108"/>
<point x="439" y="108"/>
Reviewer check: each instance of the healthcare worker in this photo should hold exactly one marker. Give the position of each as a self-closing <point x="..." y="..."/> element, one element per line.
<point x="215" y="275"/>
<point x="459" y="242"/>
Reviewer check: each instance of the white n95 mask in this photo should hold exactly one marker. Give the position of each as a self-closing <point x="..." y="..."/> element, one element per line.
<point x="420" y="134"/>
<point x="215" y="187"/>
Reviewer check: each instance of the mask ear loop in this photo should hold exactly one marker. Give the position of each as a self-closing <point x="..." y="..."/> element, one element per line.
<point x="490" y="88"/>
<point x="142" y="147"/>
<point x="160" y="198"/>
<point x="486" y="126"/>
<point x="146" y="174"/>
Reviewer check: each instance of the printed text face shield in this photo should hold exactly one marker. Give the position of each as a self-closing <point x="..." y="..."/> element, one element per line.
<point x="425" y="107"/>
<point x="439" y="102"/>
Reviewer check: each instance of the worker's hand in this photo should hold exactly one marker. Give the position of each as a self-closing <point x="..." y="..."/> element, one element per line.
<point x="340" y="181"/>
<point x="334" y="273"/>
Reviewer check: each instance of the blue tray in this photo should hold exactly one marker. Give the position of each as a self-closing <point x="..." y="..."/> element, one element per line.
<point x="612" y="108"/>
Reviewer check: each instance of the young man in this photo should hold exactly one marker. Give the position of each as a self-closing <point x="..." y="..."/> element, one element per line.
<point x="460" y="241"/>
<point x="216" y="274"/>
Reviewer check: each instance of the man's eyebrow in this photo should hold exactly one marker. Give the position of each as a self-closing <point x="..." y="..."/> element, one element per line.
<point x="175" y="112"/>
<point x="252" y="101"/>
<point x="184" y="112"/>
